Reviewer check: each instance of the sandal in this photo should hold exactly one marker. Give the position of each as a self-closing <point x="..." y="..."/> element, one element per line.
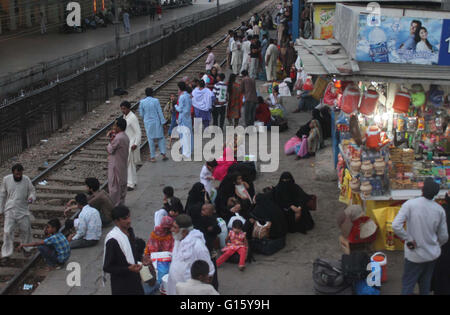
<point x="153" y="160"/>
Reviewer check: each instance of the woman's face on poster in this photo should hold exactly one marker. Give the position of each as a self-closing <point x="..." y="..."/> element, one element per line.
<point x="423" y="34"/>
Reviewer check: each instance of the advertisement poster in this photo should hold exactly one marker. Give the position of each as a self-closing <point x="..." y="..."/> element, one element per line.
<point x="323" y="21"/>
<point x="403" y="40"/>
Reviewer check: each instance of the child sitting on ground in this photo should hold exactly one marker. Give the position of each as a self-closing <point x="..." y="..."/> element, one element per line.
<point x="241" y="189"/>
<point x="236" y="242"/>
<point x="55" y="248"/>
<point x="206" y="177"/>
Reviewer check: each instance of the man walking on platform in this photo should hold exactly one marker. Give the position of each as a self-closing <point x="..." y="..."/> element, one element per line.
<point x="248" y="88"/>
<point x="151" y="113"/>
<point x="133" y="132"/>
<point x="118" y="149"/>
<point x="16" y="192"/>
<point x="271" y="58"/>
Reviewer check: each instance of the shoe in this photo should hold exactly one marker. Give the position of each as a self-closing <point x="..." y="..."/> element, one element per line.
<point x="153" y="160"/>
<point x="241" y="268"/>
<point x="130" y="189"/>
<point x="296" y="111"/>
<point x="165" y="158"/>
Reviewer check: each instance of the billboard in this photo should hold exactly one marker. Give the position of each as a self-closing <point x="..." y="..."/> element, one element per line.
<point x="404" y="40"/>
<point x="323" y="21"/>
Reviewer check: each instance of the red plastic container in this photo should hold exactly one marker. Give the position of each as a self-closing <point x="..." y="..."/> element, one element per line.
<point x="368" y="102"/>
<point x="350" y="99"/>
<point x="381" y="259"/>
<point x="402" y="101"/>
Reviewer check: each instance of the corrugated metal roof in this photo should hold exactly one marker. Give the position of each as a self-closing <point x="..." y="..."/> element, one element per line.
<point x="328" y="57"/>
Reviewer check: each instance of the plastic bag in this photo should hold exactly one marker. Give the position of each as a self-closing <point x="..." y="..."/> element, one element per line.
<point x="224" y="232"/>
<point x="301" y="149"/>
<point x="289" y="147"/>
<point x="308" y="85"/>
<point x="161" y="261"/>
<point x="330" y="96"/>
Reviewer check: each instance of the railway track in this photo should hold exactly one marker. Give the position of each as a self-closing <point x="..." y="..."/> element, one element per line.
<point x="88" y="159"/>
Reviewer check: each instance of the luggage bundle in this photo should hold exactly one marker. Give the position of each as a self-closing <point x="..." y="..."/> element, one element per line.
<point x="345" y="277"/>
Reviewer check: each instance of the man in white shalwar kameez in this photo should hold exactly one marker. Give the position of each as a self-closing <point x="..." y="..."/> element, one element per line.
<point x="189" y="246"/>
<point x="236" y="58"/>
<point x="133" y="132"/>
<point x="16" y="192"/>
<point x="271" y="61"/>
<point x="245" y="55"/>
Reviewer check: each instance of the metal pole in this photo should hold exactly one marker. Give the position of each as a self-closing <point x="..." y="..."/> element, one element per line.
<point x="295" y="19"/>
<point x="218" y="7"/>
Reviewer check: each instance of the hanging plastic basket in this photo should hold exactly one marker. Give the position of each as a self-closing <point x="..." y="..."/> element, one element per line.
<point x="368" y="102"/>
<point x="350" y="99"/>
<point x="402" y="101"/>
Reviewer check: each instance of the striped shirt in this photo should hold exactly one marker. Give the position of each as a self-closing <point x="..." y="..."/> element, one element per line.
<point x="220" y="91"/>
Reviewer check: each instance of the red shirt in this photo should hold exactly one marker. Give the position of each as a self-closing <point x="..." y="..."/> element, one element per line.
<point x="263" y="113"/>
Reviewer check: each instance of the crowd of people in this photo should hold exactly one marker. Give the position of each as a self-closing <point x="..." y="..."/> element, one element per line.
<point x="224" y="217"/>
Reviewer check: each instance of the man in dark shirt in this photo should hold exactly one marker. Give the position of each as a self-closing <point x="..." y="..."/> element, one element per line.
<point x="121" y="255"/>
<point x="255" y="50"/>
<point x="248" y="88"/>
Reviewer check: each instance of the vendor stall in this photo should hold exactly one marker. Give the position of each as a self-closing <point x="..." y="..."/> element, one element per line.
<point x="391" y="114"/>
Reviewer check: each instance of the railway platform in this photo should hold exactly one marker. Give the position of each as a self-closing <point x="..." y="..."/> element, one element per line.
<point x="286" y="272"/>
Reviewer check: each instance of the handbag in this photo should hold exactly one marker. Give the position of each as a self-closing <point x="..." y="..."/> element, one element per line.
<point x="312" y="203"/>
<point x="261" y="231"/>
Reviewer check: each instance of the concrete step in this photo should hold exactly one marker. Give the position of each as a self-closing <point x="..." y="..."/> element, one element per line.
<point x="72" y="189"/>
<point x="64" y="197"/>
<point x="66" y="179"/>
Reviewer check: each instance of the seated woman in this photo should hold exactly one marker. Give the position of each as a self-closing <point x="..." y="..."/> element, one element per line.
<point x="224" y="192"/>
<point x="263" y="112"/>
<point x="358" y="231"/>
<point x="161" y="239"/>
<point x="266" y="210"/>
<point x="224" y="163"/>
<point x="293" y="200"/>
<point x="196" y="199"/>
<point x="314" y="139"/>
<point x="276" y="104"/>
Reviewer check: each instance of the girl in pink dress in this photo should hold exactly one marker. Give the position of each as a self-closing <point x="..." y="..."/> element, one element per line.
<point x="236" y="242"/>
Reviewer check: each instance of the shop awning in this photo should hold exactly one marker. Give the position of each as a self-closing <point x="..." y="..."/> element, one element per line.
<point x="328" y="57"/>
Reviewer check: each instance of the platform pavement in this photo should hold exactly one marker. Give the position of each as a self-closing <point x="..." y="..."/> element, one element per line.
<point x="20" y="53"/>
<point x="286" y="272"/>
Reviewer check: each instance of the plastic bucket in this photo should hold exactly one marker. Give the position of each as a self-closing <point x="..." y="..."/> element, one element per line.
<point x="381" y="258"/>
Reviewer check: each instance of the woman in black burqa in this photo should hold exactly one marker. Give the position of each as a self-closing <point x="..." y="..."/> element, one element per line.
<point x="196" y="198"/>
<point x="293" y="201"/>
<point x="267" y="210"/>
